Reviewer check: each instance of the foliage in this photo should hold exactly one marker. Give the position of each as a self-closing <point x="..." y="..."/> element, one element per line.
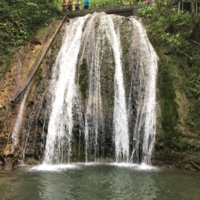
<point x="166" y="23"/>
<point x="179" y="53"/>
<point x="19" y="19"/>
<point x="193" y="82"/>
<point x="99" y="3"/>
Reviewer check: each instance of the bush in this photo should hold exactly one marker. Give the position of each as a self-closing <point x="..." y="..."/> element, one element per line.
<point x="18" y="21"/>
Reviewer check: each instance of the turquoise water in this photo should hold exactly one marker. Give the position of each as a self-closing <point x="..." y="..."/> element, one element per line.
<point x="98" y="182"/>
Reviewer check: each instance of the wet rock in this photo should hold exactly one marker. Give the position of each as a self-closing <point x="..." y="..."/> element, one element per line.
<point x="1" y="126"/>
<point x="1" y="163"/>
<point x="8" y="163"/>
<point x="10" y="156"/>
<point x="9" y="150"/>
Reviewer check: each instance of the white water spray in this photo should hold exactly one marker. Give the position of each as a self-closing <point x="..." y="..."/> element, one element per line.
<point x="146" y="110"/>
<point x="18" y="122"/>
<point x="63" y="85"/>
<point x="120" y="114"/>
<point x="80" y="42"/>
<point x="92" y="47"/>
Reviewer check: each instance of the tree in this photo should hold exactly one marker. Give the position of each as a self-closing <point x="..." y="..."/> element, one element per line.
<point x="195" y="19"/>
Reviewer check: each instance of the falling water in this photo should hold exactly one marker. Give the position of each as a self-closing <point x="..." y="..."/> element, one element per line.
<point x="146" y="108"/>
<point x="63" y="85"/>
<point x="29" y="130"/>
<point x="17" y="125"/>
<point x="18" y="122"/>
<point x="120" y="114"/>
<point x="94" y="111"/>
<point x="94" y="117"/>
<point x="88" y="38"/>
<point x="150" y="100"/>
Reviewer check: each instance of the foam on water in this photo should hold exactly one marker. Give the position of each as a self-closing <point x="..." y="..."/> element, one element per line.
<point x="146" y="167"/>
<point x="59" y="167"/>
<point x="141" y="167"/>
<point x="91" y="164"/>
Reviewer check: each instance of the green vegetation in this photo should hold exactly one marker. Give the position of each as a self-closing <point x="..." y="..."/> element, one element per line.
<point x="20" y="19"/>
<point x="83" y="78"/>
<point x="38" y="77"/>
<point x="109" y="3"/>
<point x="175" y="36"/>
<point x="100" y="3"/>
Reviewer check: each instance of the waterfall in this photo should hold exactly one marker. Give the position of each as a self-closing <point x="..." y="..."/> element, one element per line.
<point x="145" y="126"/>
<point x="58" y="145"/>
<point x="120" y="114"/>
<point x="18" y="122"/>
<point x="95" y="110"/>
<point x="17" y="125"/>
<point x="94" y="119"/>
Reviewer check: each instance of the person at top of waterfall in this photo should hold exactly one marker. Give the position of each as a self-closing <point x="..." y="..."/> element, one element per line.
<point x="86" y="4"/>
<point x="70" y="5"/>
<point x="148" y="2"/>
<point x="64" y="6"/>
<point x="77" y="5"/>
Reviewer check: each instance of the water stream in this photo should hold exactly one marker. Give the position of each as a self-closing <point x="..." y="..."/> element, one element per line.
<point x="18" y="121"/>
<point x="58" y="146"/>
<point x="120" y="114"/>
<point x="145" y="125"/>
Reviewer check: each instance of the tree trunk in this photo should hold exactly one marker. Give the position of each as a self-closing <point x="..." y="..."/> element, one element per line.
<point x="194" y="22"/>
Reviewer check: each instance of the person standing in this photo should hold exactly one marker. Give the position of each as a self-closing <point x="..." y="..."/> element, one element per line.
<point x="64" y="6"/>
<point x="70" y="5"/>
<point x="77" y="5"/>
<point x="148" y="2"/>
<point x="86" y="4"/>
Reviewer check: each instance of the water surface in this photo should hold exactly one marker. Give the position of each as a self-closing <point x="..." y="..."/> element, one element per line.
<point x="97" y="182"/>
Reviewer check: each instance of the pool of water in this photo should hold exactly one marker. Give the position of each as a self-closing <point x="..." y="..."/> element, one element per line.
<point x="98" y="182"/>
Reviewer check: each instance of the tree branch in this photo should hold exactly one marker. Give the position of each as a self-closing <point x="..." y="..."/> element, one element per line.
<point x="189" y="57"/>
<point x="195" y="165"/>
<point x="195" y="42"/>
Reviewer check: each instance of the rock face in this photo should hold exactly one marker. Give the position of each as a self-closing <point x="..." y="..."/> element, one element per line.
<point x="10" y="156"/>
<point x="12" y="82"/>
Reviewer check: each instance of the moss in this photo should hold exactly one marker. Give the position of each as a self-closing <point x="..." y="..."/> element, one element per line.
<point x="169" y="116"/>
<point x="5" y="63"/>
<point x="38" y="77"/>
<point x="35" y="54"/>
<point x="107" y="95"/>
<point x="83" y="78"/>
<point x="78" y="152"/>
<point x="125" y="35"/>
<point x="1" y="126"/>
<point x="177" y="139"/>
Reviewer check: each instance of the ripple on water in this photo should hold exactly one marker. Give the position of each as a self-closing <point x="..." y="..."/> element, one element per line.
<point x="95" y="181"/>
